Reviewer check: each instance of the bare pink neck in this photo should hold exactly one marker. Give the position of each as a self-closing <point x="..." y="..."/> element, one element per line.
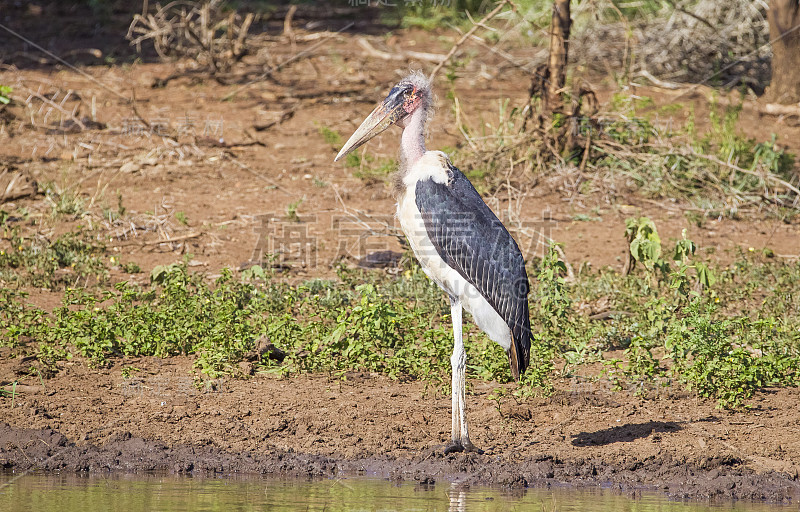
<point x="412" y="145"/>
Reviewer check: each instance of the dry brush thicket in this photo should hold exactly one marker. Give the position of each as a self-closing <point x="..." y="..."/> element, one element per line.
<point x="723" y="43"/>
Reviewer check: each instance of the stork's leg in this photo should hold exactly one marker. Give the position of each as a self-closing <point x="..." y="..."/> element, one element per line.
<point x="458" y="362"/>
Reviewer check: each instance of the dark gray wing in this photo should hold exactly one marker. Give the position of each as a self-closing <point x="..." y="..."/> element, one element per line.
<point x="472" y="240"/>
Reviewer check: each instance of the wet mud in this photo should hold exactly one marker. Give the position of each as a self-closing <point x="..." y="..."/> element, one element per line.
<point x="90" y="420"/>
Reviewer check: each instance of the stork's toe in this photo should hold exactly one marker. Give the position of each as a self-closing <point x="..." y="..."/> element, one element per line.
<point x="471" y="448"/>
<point x="453" y="447"/>
<point x="459" y="446"/>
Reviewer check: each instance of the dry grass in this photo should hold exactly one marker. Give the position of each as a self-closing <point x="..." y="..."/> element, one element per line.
<point x="205" y="33"/>
<point x="724" y="43"/>
<point x="613" y="154"/>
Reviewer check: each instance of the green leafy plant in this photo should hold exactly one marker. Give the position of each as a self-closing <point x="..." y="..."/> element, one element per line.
<point x="66" y="203"/>
<point x="5" y="94"/>
<point x="131" y="267"/>
<point x="373" y="171"/>
<point x="330" y="136"/>
<point x="129" y="371"/>
<point x="51" y="264"/>
<point x="679" y="278"/>
<point x="645" y="244"/>
<point x="291" y="210"/>
<point x="715" y="357"/>
<point x="554" y="302"/>
<point x="399" y="325"/>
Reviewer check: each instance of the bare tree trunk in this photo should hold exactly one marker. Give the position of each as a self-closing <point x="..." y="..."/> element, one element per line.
<point x="784" y="30"/>
<point x="559" y="52"/>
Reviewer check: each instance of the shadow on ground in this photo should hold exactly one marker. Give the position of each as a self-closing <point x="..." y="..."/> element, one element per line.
<point x="624" y="433"/>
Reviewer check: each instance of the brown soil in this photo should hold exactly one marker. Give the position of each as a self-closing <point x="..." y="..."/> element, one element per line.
<point x="226" y="178"/>
<point x="94" y="420"/>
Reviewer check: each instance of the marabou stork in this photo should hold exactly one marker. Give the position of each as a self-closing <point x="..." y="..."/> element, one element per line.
<point x="459" y="242"/>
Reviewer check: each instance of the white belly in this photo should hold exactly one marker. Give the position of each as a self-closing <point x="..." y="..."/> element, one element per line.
<point x="443" y="274"/>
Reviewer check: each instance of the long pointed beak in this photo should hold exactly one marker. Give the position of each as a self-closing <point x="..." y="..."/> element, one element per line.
<point x="388" y="112"/>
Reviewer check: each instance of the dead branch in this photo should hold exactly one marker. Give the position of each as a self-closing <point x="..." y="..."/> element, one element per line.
<point x="168" y="240"/>
<point x="775" y="109"/>
<point x="69" y="115"/>
<point x="713" y="96"/>
<point x="287" y="22"/>
<point x="278" y="67"/>
<point x="204" y="33"/>
<point x="285" y="116"/>
<point x="466" y="36"/>
<point x="15" y="184"/>
<point x="173" y="239"/>
<point x="657" y="82"/>
<point x="403" y="55"/>
<point x="528" y="66"/>
<point x="145" y="122"/>
<point x="686" y="41"/>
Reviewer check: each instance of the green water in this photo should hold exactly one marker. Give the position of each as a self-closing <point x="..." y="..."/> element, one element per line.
<point x="132" y="493"/>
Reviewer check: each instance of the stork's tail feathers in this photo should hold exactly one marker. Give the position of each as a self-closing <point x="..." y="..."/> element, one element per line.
<point x="519" y="354"/>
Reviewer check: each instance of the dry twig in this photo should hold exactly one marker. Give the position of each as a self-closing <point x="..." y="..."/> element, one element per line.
<point x="404" y="55"/>
<point x="59" y="107"/>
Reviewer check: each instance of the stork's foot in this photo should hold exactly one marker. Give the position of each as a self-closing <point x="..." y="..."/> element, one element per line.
<point x="461" y="446"/>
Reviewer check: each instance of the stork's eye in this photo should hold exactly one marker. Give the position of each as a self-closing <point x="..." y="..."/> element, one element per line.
<point x="411" y="100"/>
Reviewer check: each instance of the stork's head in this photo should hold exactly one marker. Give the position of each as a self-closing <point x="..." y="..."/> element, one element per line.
<point x="411" y="94"/>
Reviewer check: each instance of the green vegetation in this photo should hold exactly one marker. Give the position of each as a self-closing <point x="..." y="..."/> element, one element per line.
<point x="534" y="14"/>
<point x="333" y="138"/>
<point x="724" y="331"/>
<point x="432" y="15"/>
<point x="319" y="325"/>
<point x="115" y="214"/>
<point x="65" y="203"/>
<point x="69" y="259"/>
<point x="374" y="170"/>
<point x="12" y="393"/>
<point x="291" y="210"/>
<point x="131" y="267"/>
<point x="5" y="94"/>
<point x="720" y="172"/>
<point x="674" y="321"/>
<point x="633" y="149"/>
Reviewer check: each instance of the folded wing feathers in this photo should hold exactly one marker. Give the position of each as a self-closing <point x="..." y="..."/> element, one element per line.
<point x="470" y="238"/>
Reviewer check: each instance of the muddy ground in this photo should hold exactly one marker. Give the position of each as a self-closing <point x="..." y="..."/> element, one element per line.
<point x="228" y="165"/>
<point x="95" y="420"/>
